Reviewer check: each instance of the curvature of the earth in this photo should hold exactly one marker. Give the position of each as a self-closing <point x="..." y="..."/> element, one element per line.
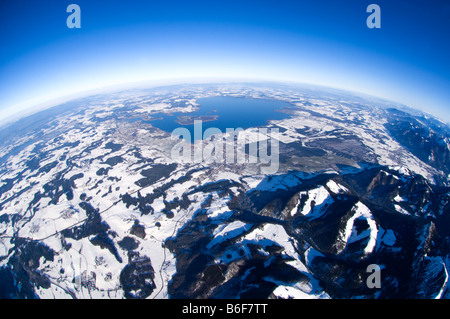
<point x="93" y="204"/>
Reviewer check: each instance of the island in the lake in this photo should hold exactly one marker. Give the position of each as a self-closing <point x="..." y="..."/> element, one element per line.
<point x="189" y="120"/>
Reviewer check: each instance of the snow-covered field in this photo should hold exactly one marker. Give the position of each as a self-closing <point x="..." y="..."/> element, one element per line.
<point x="99" y="153"/>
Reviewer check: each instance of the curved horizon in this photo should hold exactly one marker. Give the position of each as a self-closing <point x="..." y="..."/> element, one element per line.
<point x="34" y="109"/>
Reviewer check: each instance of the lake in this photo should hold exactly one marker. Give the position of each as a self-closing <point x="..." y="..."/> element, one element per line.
<point x="224" y="112"/>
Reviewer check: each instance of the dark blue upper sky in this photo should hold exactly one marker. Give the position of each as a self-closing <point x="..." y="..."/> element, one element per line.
<point x="322" y="42"/>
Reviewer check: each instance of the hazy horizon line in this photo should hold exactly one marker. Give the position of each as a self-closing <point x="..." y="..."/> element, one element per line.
<point x="34" y="108"/>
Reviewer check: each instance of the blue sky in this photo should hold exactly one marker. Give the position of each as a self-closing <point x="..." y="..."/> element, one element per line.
<point x="324" y="42"/>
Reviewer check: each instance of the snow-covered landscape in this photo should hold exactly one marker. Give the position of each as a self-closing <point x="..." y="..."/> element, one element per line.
<point x="92" y="204"/>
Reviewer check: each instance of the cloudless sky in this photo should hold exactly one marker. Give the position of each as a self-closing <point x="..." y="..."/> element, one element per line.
<point x="325" y="42"/>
